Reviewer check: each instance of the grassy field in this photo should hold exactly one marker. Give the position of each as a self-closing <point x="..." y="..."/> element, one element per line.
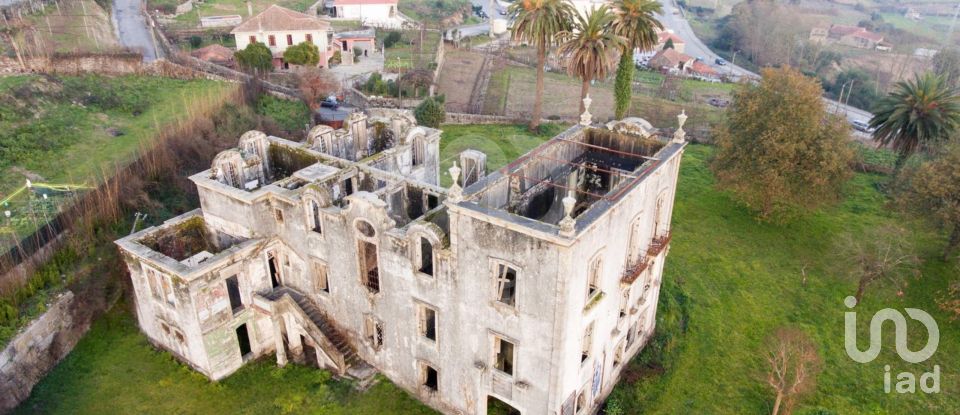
<point x="71" y="130"/>
<point x="114" y="370"/>
<point x="730" y="281"/>
<point x="72" y="26"/>
<point x="511" y="91"/>
<point x="436" y="13"/>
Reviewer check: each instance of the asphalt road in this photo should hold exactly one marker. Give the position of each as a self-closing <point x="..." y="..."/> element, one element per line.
<point x="131" y="28"/>
<point x="673" y="18"/>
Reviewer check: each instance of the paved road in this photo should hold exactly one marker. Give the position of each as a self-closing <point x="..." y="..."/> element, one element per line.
<point x="131" y="28"/>
<point x="673" y="18"/>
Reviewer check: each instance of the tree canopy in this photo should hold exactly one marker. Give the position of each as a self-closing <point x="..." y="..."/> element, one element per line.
<point x="430" y="112"/>
<point x="303" y="54"/>
<point x="779" y="151"/>
<point x="636" y="22"/>
<point x="932" y="191"/>
<point x="591" y="48"/>
<point x="256" y="57"/>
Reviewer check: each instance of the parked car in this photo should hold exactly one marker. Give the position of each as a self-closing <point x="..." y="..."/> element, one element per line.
<point x="720" y="62"/>
<point x="861" y="126"/>
<point x="330" y="102"/>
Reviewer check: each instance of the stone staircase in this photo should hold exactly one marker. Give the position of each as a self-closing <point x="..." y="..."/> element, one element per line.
<point x="327" y="328"/>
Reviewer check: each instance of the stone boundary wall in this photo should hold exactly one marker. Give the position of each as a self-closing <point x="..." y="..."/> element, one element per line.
<point x="358" y="99"/>
<point x="38" y="348"/>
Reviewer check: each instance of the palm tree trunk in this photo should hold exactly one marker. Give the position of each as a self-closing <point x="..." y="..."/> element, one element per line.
<point x="952" y="242"/>
<point x="584" y="90"/>
<point x="538" y="100"/>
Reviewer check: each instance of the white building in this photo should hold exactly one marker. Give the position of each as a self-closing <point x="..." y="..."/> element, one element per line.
<point x="531" y="287"/>
<point x="279" y="28"/>
<point x="379" y="13"/>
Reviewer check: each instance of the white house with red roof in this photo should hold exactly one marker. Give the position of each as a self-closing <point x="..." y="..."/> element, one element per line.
<point x="381" y="13"/>
<point x="279" y="28"/>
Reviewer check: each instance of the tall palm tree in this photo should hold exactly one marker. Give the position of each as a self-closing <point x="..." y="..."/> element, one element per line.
<point x="916" y="114"/>
<point x="539" y="22"/>
<point x="635" y="21"/>
<point x="591" y="48"/>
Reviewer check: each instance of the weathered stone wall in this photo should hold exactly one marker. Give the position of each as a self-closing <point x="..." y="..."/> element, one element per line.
<point x="38" y="348"/>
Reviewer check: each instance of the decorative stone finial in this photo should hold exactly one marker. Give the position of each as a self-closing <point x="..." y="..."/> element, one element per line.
<point x="568" y="223"/>
<point x="586" y="118"/>
<point x="455" y="194"/>
<point x="679" y="136"/>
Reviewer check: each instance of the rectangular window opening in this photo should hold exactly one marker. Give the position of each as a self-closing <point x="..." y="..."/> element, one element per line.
<point x="320" y="274"/>
<point x="430" y="378"/>
<point x="428" y="323"/>
<point x="233" y="291"/>
<point x="272" y="40"/>
<point x="503" y="355"/>
<point x="506" y="285"/>
<point x="426" y="256"/>
<point x="274" y="271"/>
<point x="369" y="267"/>
<point x="289" y="40"/>
<point x="243" y="339"/>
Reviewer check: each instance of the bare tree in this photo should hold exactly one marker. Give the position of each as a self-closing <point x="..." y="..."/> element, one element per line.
<point x="794" y="366"/>
<point x="883" y="254"/>
<point x="316" y="84"/>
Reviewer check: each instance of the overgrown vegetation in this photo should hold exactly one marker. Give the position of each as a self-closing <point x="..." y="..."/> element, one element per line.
<point x="292" y="117"/>
<point x="430" y="112"/>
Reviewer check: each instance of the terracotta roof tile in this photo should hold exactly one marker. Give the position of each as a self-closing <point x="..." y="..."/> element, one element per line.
<point x="276" y="18"/>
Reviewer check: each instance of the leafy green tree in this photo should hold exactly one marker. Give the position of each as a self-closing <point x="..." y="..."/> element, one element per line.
<point x="932" y="191"/>
<point x="780" y="162"/>
<point x="591" y="48"/>
<point x="195" y="41"/>
<point x="391" y="39"/>
<point x="538" y="22"/>
<point x="430" y="112"/>
<point x="256" y="58"/>
<point x="636" y="22"/>
<point x="303" y="54"/>
<point x="917" y="114"/>
<point x="858" y="89"/>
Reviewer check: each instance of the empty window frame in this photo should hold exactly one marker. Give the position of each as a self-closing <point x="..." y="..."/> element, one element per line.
<point x="587" y="343"/>
<point x="314" y="217"/>
<point x="419" y="150"/>
<point x="624" y="302"/>
<point x="278" y="215"/>
<point x="593" y="277"/>
<point x="320" y="277"/>
<point x="582" y="400"/>
<point x="274" y="268"/>
<point x="618" y="354"/>
<point x="429" y="377"/>
<point x="369" y="268"/>
<point x="503" y="355"/>
<point x="233" y="291"/>
<point x="426" y="256"/>
<point x="373" y="329"/>
<point x="243" y="340"/>
<point x="428" y="322"/>
<point x="506" y="284"/>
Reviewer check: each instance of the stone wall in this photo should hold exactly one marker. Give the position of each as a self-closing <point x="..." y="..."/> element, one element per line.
<point x="464" y="118"/>
<point x="38" y="348"/>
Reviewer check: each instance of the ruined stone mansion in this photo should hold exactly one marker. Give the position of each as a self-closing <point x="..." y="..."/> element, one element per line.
<point x="526" y="288"/>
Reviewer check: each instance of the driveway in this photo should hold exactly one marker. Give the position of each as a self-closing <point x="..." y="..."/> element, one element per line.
<point x="131" y="28"/>
<point x="673" y="18"/>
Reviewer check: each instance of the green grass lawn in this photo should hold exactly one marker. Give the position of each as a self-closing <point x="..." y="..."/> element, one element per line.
<point x="75" y="129"/>
<point x="191" y="19"/>
<point x="114" y="370"/>
<point x="502" y="143"/>
<point x="731" y="281"/>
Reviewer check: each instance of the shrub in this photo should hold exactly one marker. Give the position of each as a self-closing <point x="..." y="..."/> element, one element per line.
<point x="256" y="57"/>
<point x="391" y="39"/>
<point x="430" y="112"/>
<point x="195" y="41"/>
<point x="303" y="54"/>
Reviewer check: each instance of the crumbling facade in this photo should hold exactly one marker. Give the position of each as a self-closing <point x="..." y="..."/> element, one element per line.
<point x="530" y="289"/>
